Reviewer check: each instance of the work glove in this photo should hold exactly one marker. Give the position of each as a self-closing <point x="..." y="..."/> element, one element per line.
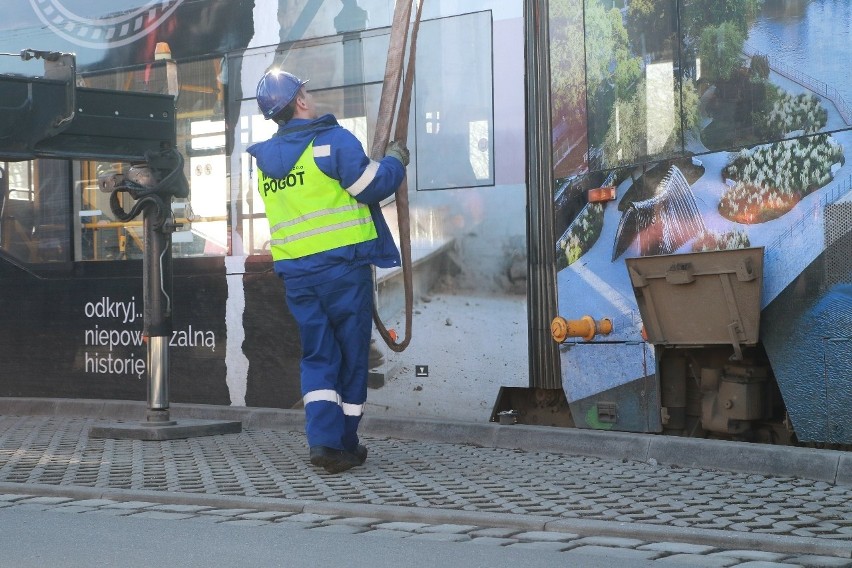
<point x="398" y="151"/>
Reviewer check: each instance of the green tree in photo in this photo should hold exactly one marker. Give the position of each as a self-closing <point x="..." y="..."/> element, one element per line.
<point x="600" y="45"/>
<point x="600" y="60"/>
<point x="719" y="49"/>
<point x="650" y="25"/>
<point x="628" y="69"/>
<point x="758" y="69"/>
<point x="628" y="72"/>
<point x="567" y="64"/>
<point x="612" y="71"/>
<point x="580" y="236"/>
<point x="626" y="139"/>
<point x="687" y="106"/>
<point x="624" y="142"/>
<point x="698" y="15"/>
<point x="568" y="85"/>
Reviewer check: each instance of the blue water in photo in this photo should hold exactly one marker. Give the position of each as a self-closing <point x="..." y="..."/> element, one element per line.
<point x="812" y="36"/>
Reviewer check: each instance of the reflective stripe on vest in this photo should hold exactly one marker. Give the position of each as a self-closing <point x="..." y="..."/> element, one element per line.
<point x="309" y="212"/>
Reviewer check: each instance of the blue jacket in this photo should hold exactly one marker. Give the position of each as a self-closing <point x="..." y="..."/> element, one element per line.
<point x="347" y="163"/>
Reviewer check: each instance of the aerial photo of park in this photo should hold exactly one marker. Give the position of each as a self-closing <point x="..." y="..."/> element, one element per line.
<point x="720" y="123"/>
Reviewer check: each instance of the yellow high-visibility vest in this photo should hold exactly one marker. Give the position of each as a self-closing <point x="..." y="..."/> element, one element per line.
<point x="310" y="212"/>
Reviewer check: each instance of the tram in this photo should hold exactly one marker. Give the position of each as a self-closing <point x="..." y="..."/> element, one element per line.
<point x="624" y="215"/>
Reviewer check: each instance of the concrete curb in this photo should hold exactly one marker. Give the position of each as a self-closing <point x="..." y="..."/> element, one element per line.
<point x="844" y="470"/>
<point x="820" y="465"/>
<point x="785" y="461"/>
<point x="830" y="466"/>
<point x="390" y="513"/>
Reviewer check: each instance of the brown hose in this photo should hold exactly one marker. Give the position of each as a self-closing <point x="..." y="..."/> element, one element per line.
<point x="393" y="77"/>
<point x="387" y="106"/>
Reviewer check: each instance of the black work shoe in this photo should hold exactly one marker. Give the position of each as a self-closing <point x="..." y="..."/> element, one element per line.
<point x="361" y="453"/>
<point x="332" y="460"/>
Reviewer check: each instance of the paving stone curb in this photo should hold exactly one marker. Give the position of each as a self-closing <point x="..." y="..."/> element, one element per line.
<point x="820" y="465"/>
<point x="388" y="513"/>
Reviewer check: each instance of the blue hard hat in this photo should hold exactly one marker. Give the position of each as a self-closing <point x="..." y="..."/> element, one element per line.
<point x="275" y="90"/>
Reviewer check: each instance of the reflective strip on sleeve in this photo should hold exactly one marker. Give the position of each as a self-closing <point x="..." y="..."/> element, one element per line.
<point x="352" y="409"/>
<point x="327" y="395"/>
<point x="368" y="176"/>
<point x="323" y="151"/>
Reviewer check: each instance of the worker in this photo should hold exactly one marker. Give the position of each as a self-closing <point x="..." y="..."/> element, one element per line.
<point x="322" y="196"/>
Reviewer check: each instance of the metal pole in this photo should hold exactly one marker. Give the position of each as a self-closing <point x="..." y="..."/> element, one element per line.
<point x="541" y="282"/>
<point x="157" y="291"/>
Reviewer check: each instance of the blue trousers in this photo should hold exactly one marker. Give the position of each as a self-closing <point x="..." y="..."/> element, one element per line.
<point x="335" y="325"/>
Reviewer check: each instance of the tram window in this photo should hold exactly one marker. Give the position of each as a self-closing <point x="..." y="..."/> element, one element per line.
<point x="101" y="235"/>
<point x="35" y="211"/>
<point x="18" y="180"/>
<point x="201" y="139"/>
<point x="451" y="147"/>
<point x="454" y="95"/>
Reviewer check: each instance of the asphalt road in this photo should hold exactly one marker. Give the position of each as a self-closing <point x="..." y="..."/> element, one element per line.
<point x="50" y="538"/>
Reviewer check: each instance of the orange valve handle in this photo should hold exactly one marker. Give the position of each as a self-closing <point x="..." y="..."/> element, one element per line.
<point x="585" y="328"/>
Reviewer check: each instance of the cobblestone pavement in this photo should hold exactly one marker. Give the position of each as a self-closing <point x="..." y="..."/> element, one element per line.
<point x="498" y="484"/>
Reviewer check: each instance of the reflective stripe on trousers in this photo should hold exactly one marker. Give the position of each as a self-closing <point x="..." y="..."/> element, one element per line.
<point x="335" y="326"/>
<point x="329" y="395"/>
